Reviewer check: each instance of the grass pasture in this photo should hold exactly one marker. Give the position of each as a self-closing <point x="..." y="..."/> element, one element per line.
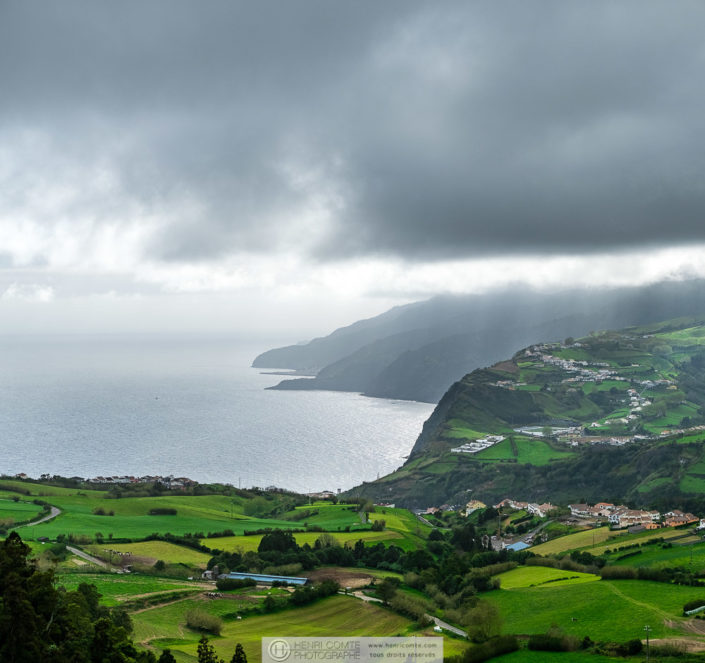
<point x="115" y="589"/>
<point x="251" y="543"/>
<point x="574" y="541"/>
<point x="604" y="539"/>
<point x="605" y="610"/>
<point x="542" y="576"/>
<point x="131" y="519"/>
<point x="329" y="516"/>
<point x="529" y="451"/>
<point x="336" y="615"/>
<point x="527" y="656"/>
<point x="18" y="511"/>
<point x="689" y="556"/>
<point x="151" y="551"/>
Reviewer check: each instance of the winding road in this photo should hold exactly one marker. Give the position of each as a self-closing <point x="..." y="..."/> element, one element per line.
<point x="52" y="514"/>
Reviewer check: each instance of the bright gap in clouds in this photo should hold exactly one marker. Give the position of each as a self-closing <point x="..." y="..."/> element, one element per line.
<point x="284" y="298"/>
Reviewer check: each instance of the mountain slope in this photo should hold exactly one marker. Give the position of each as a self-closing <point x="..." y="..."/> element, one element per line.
<point x="615" y="415"/>
<point x="416" y="351"/>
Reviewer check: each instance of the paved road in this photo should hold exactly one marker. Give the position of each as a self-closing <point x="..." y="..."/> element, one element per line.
<point x="424" y="521"/>
<point x="52" y="514"/>
<point x="91" y="559"/>
<point x="438" y="622"/>
<point x="447" y="627"/>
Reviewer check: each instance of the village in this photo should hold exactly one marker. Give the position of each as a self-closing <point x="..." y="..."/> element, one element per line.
<point x="616" y="516"/>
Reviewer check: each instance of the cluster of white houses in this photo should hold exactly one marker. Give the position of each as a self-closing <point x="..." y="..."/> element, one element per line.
<point x="540" y="510"/>
<point x="620" y="516"/>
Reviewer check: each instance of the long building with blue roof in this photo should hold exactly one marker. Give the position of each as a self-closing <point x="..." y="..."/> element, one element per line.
<point x="267" y="579"/>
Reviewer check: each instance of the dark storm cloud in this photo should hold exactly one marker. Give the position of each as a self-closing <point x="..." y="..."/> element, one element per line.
<point x="422" y="130"/>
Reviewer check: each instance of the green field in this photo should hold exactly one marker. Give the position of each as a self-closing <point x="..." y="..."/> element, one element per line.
<point x="613" y="610"/>
<point x="131" y="519"/>
<point x="329" y="516"/>
<point x="251" y="543"/>
<point x="529" y="451"/>
<point x="574" y="541"/>
<point x="118" y="588"/>
<point x="151" y="551"/>
<point x="526" y="656"/>
<point x="337" y="615"/>
<point x="690" y="556"/>
<point x="11" y="511"/>
<point x="542" y="576"/>
<point x="604" y="539"/>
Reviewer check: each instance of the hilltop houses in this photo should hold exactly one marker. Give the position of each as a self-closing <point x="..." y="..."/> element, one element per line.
<point x="676" y="518"/>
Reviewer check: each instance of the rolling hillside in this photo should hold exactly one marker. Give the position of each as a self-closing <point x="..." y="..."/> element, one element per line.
<point x="616" y="415"/>
<point x="415" y="351"/>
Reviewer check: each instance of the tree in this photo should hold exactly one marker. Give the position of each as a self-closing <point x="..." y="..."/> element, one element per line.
<point x="166" y="657"/>
<point x="206" y="653"/>
<point x="239" y="656"/>
<point x="39" y="622"/>
<point x="483" y="621"/>
<point x="387" y="589"/>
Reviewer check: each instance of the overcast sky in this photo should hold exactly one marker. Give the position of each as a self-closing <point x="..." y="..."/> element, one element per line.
<point x="299" y="164"/>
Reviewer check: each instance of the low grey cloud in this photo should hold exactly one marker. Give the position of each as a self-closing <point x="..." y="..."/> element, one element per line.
<point x="422" y="131"/>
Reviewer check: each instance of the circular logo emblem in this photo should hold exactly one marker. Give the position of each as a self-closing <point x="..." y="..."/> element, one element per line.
<point x="279" y="650"/>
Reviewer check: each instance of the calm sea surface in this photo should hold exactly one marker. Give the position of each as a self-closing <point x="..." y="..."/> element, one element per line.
<point x="97" y="406"/>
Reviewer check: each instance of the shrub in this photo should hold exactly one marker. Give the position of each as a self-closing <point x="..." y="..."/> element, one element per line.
<point x="162" y="511"/>
<point x="408" y="606"/>
<point x="226" y="584"/>
<point x="618" y="573"/>
<point x="483" y="621"/>
<point x="199" y="620"/>
<point x="502" y="644"/>
<point x="629" y="648"/>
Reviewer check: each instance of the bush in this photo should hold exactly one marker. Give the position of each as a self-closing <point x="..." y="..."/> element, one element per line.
<point x="200" y="620"/>
<point x="503" y="644"/>
<point x="162" y="511"/>
<point x="226" y="584"/>
<point x="629" y="648"/>
<point x="408" y="606"/>
<point x="546" y="642"/>
<point x="618" y="573"/>
<point x="483" y="621"/>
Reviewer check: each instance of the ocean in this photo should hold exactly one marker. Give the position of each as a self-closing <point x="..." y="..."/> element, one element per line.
<point x="90" y="406"/>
